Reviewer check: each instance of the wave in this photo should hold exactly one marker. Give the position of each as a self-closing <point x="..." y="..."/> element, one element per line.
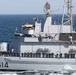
<point x="8" y="73"/>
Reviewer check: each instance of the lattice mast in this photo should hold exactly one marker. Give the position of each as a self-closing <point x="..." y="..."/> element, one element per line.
<point x="67" y="14"/>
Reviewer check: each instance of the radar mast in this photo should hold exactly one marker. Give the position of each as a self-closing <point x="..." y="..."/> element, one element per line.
<point x="47" y="9"/>
<point x="67" y="14"/>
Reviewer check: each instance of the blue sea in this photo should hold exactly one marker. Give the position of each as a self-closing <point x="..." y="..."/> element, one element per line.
<point x="9" y="23"/>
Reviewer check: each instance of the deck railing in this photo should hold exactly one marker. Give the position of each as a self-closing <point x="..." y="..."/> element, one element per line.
<point x="38" y="55"/>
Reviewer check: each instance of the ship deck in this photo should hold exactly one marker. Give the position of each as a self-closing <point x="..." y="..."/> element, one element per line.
<point x="39" y="55"/>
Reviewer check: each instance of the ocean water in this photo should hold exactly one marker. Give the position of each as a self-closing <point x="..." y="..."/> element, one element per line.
<point x="15" y="73"/>
<point x="9" y="23"/>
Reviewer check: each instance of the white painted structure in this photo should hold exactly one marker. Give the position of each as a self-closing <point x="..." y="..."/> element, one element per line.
<point x="52" y="50"/>
<point x="37" y="27"/>
<point x="3" y="47"/>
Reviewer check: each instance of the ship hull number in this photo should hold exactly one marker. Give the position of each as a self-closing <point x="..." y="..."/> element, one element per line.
<point x="3" y="65"/>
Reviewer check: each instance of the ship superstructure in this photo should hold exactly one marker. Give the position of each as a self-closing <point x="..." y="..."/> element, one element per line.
<point x="52" y="49"/>
<point x="33" y="39"/>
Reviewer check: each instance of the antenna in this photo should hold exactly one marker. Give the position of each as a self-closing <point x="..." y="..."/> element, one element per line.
<point x="67" y="14"/>
<point x="47" y="8"/>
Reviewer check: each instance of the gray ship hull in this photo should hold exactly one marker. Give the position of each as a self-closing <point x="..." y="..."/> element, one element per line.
<point x="48" y="64"/>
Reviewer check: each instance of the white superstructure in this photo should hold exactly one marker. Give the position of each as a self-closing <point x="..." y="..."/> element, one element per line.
<point x="53" y="50"/>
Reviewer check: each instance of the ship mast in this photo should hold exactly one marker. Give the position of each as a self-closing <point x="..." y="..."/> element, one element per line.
<point x="48" y="22"/>
<point x="67" y="15"/>
<point x="47" y="9"/>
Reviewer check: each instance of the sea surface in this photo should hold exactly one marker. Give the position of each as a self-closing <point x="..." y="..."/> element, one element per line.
<point x="9" y="24"/>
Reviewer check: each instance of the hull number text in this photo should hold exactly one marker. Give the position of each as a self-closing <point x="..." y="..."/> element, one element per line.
<point x="4" y="65"/>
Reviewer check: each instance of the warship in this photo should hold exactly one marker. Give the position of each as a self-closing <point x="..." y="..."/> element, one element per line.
<point x="51" y="50"/>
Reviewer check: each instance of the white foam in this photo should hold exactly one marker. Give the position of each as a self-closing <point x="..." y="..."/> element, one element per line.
<point x="5" y="73"/>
